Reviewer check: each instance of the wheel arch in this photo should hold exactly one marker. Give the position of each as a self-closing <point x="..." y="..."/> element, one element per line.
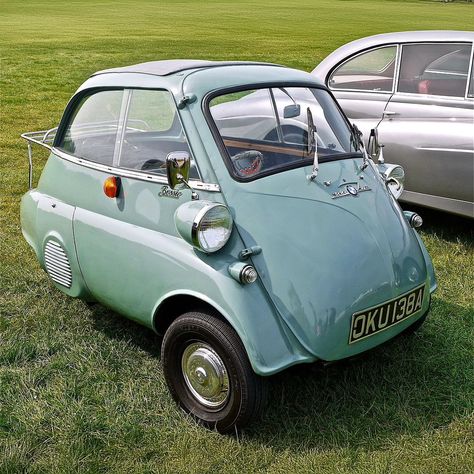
<point x="176" y="303"/>
<point x="266" y="358"/>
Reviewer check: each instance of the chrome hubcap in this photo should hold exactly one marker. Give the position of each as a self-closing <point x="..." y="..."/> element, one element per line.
<point x="205" y="374"/>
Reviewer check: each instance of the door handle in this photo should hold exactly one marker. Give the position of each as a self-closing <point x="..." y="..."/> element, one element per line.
<point x="389" y="113"/>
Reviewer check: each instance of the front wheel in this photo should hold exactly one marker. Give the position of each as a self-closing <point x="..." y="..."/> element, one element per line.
<point x="208" y="372"/>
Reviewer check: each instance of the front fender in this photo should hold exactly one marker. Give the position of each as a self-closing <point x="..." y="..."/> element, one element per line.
<point x="269" y="343"/>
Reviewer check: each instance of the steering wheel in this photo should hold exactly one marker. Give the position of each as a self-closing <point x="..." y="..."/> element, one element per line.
<point x="247" y="163"/>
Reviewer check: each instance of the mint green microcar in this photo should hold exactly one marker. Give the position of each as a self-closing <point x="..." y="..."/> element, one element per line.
<point x="232" y="208"/>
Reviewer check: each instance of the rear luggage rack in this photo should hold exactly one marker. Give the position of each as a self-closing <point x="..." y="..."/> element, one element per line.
<point x="44" y="138"/>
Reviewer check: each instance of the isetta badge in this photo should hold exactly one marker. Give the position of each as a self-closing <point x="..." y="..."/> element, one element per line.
<point x="351" y="189"/>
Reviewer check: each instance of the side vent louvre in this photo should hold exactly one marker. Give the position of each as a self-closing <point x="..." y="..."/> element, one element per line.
<point x="57" y="264"/>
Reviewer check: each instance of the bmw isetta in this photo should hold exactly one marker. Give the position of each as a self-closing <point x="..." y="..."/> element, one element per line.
<point x="244" y="218"/>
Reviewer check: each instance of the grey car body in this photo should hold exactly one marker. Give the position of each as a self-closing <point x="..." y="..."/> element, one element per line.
<point x="418" y="88"/>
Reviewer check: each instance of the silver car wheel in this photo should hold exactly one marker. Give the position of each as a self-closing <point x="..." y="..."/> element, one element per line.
<point x="205" y="374"/>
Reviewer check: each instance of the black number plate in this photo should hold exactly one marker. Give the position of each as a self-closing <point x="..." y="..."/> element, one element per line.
<point x="378" y="318"/>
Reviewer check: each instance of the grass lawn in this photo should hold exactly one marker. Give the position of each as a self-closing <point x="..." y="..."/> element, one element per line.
<point x="81" y="389"/>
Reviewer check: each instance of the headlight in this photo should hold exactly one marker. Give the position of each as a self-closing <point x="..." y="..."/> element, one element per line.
<point x="205" y="225"/>
<point x="394" y="176"/>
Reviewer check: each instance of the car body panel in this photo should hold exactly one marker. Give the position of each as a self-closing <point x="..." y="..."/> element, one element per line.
<point x="431" y="136"/>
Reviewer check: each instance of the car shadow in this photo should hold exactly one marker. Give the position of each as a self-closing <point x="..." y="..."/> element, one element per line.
<point x="115" y="326"/>
<point x="411" y="385"/>
<point x="414" y="384"/>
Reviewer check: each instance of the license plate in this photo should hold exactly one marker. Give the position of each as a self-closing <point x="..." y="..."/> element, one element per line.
<point x="378" y="318"/>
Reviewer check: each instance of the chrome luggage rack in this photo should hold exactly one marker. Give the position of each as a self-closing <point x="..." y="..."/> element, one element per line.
<point x="44" y="138"/>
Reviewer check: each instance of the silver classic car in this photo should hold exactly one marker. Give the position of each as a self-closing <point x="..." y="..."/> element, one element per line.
<point x="416" y="89"/>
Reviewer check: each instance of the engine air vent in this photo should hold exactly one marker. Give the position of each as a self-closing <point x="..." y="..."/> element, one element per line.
<point x="57" y="264"/>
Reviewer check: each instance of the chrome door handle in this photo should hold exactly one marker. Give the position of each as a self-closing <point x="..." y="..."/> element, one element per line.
<point x="389" y="113"/>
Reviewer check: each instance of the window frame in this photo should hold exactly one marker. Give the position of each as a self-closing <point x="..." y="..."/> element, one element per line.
<point x="432" y="96"/>
<point x="142" y="175"/>
<point x="360" y="53"/>
<point x="470" y="75"/>
<point x="219" y="141"/>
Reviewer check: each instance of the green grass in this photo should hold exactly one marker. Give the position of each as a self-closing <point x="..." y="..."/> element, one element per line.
<point x="81" y="389"/>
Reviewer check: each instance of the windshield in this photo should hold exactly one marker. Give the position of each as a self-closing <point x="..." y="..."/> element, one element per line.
<point x="266" y="130"/>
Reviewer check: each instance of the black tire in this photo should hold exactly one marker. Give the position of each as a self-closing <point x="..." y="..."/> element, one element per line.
<point x="247" y="391"/>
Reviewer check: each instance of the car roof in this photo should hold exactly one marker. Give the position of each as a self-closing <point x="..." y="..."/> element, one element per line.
<point x="173" y="66"/>
<point x="198" y="77"/>
<point x="428" y="36"/>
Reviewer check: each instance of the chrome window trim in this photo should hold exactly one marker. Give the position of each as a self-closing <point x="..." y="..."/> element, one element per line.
<point x="121" y="127"/>
<point x="459" y="97"/>
<point x="360" y="53"/>
<point x="140" y="175"/>
<point x="469" y="73"/>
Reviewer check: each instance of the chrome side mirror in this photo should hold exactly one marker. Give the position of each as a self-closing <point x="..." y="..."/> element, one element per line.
<point x="374" y="147"/>
<point x="178" y="164"/>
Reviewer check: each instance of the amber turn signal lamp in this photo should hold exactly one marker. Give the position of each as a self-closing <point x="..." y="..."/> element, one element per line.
<point x="112" y="187"/>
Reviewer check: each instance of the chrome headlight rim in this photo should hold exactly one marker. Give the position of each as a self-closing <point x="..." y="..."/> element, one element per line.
<point x="196" y="227"/>
<point x="394" y="177"/>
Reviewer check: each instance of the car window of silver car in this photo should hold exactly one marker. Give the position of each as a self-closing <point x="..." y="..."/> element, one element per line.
<point x="372" y="70"/>
<point x="152" y="130"/>
<point x="434" y="69"/>
<point x="92" y="128"/>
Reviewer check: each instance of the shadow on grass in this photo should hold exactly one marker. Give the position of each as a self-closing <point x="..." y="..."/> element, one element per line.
<point x="411" y="385"/>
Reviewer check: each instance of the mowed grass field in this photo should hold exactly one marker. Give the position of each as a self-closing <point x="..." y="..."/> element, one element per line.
<point x="82" y="390"/>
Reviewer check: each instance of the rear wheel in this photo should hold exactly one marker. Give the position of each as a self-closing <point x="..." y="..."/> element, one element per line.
<point x="208" y="372"/>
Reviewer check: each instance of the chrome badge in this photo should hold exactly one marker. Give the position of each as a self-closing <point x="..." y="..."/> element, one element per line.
<point x="352" y="189"/>
<point x="166" y="191"/>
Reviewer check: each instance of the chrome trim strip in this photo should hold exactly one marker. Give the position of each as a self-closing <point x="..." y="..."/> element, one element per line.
<point x="457" y="98"/>
<point x="195" y="184"/>
<point x="396" y="76"/>
<point x="449" y="150"/>
<point x="469" y="74"/>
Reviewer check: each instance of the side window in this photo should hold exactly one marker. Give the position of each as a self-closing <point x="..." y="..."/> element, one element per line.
<point x="434" y="69"/>
<point x="92" y="130"/>
<point x="152" y="131"/>
<point x="370" y="71"/>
